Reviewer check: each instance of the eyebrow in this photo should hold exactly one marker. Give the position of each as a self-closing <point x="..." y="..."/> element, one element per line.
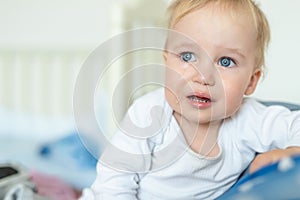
<point x="234" y="50"/>
<point x="181" y="45"/>
<point x="194" y="46"/>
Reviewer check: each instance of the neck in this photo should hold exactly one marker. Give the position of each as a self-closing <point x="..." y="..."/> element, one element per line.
<point x="201" y="137"/>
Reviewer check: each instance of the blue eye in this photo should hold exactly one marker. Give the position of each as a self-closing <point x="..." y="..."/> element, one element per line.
<point x="226" y="62"/>
<point x="188" y="57"/>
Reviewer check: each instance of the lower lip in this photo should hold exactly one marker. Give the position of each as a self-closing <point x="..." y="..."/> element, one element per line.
<point x="200" y="104"/>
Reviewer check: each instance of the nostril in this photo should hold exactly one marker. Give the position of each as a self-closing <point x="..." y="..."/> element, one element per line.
<point x="203" y="80"/>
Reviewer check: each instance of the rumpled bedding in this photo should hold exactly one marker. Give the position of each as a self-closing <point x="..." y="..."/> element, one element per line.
<point x="51" y="150"/>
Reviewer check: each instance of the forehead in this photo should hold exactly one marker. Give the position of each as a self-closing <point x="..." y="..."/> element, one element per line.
<point x="235" y="8"/>
<point x="215" y="13"/>
<point x="218" y="25"/>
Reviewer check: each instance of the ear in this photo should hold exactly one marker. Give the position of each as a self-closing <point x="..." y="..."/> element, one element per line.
<point x="253" y="82"/>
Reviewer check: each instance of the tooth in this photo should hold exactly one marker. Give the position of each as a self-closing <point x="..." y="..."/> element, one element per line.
<point x="199" y="100"/>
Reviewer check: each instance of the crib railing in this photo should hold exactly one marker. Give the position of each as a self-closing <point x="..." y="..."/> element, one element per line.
<point x="42" y="82"/>
<point x="39" y="82"/>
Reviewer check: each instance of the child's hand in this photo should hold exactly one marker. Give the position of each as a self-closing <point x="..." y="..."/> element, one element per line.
<point x="272" y="156"/>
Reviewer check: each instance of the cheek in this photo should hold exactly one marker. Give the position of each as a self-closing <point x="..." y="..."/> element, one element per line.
<point x="170" y="96"/>
<point x="234" y="93"/>
<point x="234" y="90"/>
<point x="172" y="99"/>
<point x="170" y="79"/>
<point x="175" y="68"/>
<point x="235" y="84"/>
<point x="172" y="86"/>
<point x="174" y="78"/>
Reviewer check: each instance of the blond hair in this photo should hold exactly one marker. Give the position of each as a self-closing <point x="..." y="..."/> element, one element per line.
<point x="180" y="8"/>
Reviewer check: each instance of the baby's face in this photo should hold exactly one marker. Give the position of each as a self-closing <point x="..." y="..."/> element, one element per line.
<point x="211" y="68"/>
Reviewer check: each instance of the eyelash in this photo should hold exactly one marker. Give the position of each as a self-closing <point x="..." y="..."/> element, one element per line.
<point x="232" y="62"/>
<point x="193" y="57"/>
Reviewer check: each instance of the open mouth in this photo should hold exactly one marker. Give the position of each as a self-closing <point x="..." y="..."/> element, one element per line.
<point x="199" y="99"/>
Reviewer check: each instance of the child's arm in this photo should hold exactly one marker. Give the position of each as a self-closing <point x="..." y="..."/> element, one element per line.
<point x="264" y="159"/>
<point x="118" y="172"/>
<point x="111" y="184"/>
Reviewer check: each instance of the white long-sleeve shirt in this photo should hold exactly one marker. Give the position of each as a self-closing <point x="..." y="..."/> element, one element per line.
<point x="149" y="159"/>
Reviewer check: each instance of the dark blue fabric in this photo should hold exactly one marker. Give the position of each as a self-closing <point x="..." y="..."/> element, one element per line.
<point x="270" y="182"/>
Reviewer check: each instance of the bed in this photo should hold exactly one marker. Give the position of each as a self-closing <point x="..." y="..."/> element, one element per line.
<point x="37" y="128"/>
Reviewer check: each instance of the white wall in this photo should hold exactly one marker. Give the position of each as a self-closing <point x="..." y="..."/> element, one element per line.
<point x="54" y="24"/>
<point x="81" y="24"/>
<point x="42" y="47"/>
<point x="282" y="81"/>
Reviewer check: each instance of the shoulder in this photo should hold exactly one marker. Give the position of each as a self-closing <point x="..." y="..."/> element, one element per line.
<point x="252" y="108"/>
<point x="152" y="104"/>
<point x="155" y="97"/>
<point x="148" y="117"/>
<point x="264" y="127"/>
<point x="141" y="129"/>
<point x="251" y="105"/>
<point x="253" y="115"/>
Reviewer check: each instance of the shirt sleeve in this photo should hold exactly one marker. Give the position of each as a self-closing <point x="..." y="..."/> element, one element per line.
<point x="128" y="156"/>
<point x="294" y="130"/>
<point x="112" y="185"/>
<point x="120" y="167"/>
<point x="118" y="170"/>
<point x="264" y="128"/>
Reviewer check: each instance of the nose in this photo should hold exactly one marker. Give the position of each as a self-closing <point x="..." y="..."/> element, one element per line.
<point x="204" y="73"/>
